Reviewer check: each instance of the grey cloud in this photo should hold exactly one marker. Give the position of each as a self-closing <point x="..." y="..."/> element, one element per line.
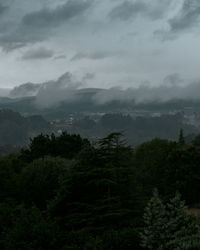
<point x="145" y="94"/>
<point x="88" y="76"/>
<point x="93" y="56"/>
<point x="50" y="93"/>
<point x="47" y="18"/>
<point x="173" y="80"/>
<point x="24" y="90"/>
<point x="60" y="57"/>
<point x="131" y="9"/>
<point x="185" y="20"/>
<point x="54" y="92"/>
<point x="188" y="17"/>
<point x="39" y="25"/>
<point x="21" y="37"/>
<point x="127" y="10"/>
<point x="4" y="92"/>
<point x="40" y="53"/>
<point x="66" y="88"/>
<point x="3" y="8"/>
<point x="159" y="9"/>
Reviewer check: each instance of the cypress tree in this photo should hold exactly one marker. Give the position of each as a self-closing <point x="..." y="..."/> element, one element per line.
<point x="181" y="139"/>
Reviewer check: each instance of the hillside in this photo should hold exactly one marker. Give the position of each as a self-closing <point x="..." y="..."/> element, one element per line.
<point x="86" y="101"/>
<point x="16" y="129"/>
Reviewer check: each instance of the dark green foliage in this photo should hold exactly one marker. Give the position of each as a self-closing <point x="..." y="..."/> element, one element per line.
<point x="112" y="142"/>
<point x="196" y="141"/>
<point x="65" y="146"/>
<point x="65" y="193"/>
<point x="28" y="230"/>
<point x="155" y="219"/>
<point x="10" y="167"/>
<point x="183" y="173"/>
<point x="127" y="238"/>
<point x="16" y="129"/>
<point x="82" y="239"/>
<point x="169" y="226"/>
<point x="40" y="180"/>
<point x="169" y="166"/>
<point x="151" y="160"/>
<point x="181" y="139"/>
<point x="100" y="193"/>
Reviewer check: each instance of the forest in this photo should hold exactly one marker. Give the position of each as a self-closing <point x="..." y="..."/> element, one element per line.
<point x="64" y="192"/>
<point x="17" y="129"/>
<point x="135" y="129"/>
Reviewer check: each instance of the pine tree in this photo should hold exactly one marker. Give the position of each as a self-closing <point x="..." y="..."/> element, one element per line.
<point x="181" y="139"/>
<point x="169" y="226"/>
<point x="183" y="230"/>
<point x="154" y="220"/>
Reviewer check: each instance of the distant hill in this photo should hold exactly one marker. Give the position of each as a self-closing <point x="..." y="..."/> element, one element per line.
<point x="16" y="129"/>
<point x="84" y="100"/>
<point x="136" y="130"/>
<point x="58" y="98"/>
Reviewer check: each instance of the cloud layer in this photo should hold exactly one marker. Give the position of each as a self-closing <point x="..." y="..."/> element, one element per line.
<point x="188" y="17"/>
<point x="39" y="53"/>
<point x="121" y="42"/>
<point x="37" y="26"/>
<point x="68" y="89"/>
<point x="54" y="92"/>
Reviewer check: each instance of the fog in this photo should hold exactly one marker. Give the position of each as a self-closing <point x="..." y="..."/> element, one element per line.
<point x="54" y="92"/>
<point x="4" y="92"/>
<point x="144" y="94"/>
<point x="67" y="88"/>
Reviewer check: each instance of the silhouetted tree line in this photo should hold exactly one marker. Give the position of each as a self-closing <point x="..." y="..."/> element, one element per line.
<point x="65" y="193"/>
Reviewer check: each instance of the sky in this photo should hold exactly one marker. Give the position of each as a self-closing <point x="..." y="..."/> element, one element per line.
<point x="103" y="43"/>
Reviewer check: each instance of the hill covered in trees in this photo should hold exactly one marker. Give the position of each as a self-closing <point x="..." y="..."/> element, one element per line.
<point x="65" y="193"/>
<point x="92" y="100"/>
<point x="16" y="130"/>
<point x="136" y="130"/>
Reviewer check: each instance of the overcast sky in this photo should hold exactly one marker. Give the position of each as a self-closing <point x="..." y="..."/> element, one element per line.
<point x="105" y="42"/>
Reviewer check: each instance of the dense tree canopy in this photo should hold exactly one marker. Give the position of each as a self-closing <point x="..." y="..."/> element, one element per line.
<point x="66" y="193"/>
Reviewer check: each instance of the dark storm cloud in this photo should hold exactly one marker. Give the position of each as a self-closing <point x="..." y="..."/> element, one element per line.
<point x="47" y="18"/>
<point x="60" y="57"/>
<point x="38" y="26"/>
<point x="127" y="10"/>
<point x="93" y="56"/>
<point x="131" y="9"/>
<point x="3" y="8"/>
<point x="40" y="53"/>
<point x="184" y="21"/>
<point x="188" y="17"/>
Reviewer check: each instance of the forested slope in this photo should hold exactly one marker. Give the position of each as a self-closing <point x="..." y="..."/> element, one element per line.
<point x="64" y="193"/>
